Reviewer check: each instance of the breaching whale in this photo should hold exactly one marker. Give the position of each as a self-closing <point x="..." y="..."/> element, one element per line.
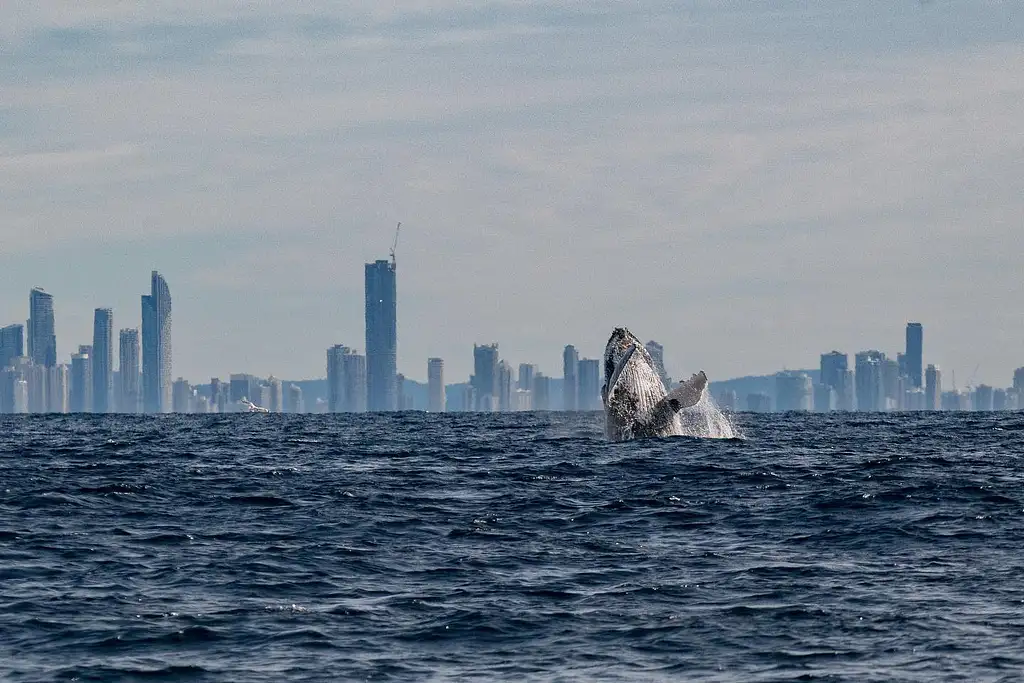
<point x="636" y="404"/>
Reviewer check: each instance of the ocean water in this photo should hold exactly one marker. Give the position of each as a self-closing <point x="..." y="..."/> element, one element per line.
<point x="510" y="547"/>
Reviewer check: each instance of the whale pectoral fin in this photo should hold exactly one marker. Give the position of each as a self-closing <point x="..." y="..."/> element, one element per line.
<point x="684" y="396"/>
<point x="688" y="393"/>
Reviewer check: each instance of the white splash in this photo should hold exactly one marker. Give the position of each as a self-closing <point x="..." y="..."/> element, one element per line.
<point x="706" y="420"/>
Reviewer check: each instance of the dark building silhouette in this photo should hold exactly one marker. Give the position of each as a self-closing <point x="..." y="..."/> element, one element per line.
<point x="156" y="347"/>
<point x="914" y="357"/>
<point x="834" y="375"/>
<point x="570" y="377"/>
<point x="588" y="393"/>
<point x="12" y="344"/>
<point x="485" y="377"/>
<point x="103" y="361"/>
<point x="128" y="373"/>
<point x="42" y="339"/>
<point x="381" y="336"/>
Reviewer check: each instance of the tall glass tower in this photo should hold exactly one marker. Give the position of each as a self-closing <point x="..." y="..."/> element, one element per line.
<point x="103" y="361"/>
<point x="42" y="340"/>
<point x="156" y="347"/>
<point x="915" y="343"/>
<point x="381" y="336"/>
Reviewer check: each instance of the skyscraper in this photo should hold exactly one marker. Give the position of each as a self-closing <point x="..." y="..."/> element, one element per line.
<point x="156" y="347"/>
<point x="42" y="339"/>
<point x="11" y="344"/>
<point x="541" y="392"/>
<point x="526" y="375"/>
<point x="933" y="388"/>
<point x="80" y="391"/>
<point x="834" y="376"/>
<point x="181" y="396"/>
<point x="128" y="376"/>
<point x="381" y="336"/>
<point x="588" y="376"/>
<point x="793" y="392"/>
<point x="294" y="402"/>
<point x="870" y="387"/>
<point x="103" y="361"/>
<point x="276" y="404"/>
<point x="914" y="356"/>
<point x="435" y="385"/>
<point x="336" y="378"/>
<point x="570" y="384"/>
<point x="346" y="380"/>
<point x="485" y="377"/>
<point x="505" y="387"/>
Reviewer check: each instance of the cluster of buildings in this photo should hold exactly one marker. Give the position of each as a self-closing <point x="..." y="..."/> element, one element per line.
<point x="32" y="380"/>
<point x="877" y="383"/>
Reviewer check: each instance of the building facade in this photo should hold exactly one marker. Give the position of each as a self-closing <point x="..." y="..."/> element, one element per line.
<point x="103" y="361"/>
<point x="435" y="385"/>
<point x="156" y="347"/>
<point x="570" y="378"/>
<point x="914" y="357"/>
<point x="42" y="337"/>
<point x="485" y="377"/>
<point x="381" y="337"/>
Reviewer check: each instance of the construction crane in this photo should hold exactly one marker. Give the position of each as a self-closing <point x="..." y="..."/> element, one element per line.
<point x="394" y="245"/>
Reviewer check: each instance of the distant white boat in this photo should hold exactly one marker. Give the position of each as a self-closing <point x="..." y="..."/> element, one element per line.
<point x="252" y="407"/>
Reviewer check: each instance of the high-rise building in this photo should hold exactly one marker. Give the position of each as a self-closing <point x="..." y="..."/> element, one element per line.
<point x="181" y="396"/>
<point x="505" y="387"/>
<point x="381" y="336"/>
<point x="37" y="376"/>
<point x="588" y="391"/>
<point x="485" y="377"/>
<point x="128" y="371"/>
<point x="933" y="388"/>
<point x="156" y="347"/>
<point x="11" y="344"/>
<point x="346" y="380"/>
<point x="1018" y="380"/>
<point x="892" y="385"/>
<point x="541" y="392"/>
<point x="356" y="382"/>
<point x="570" y="379"/>
<point x="793" y="392"/>
<point x="657" y="352"/>
<point x="868" y="377"/>
<point x="833" y="375"/>
<point x="914" y="356"/>
<point x="103" y="361"/>
<point x="294" y="403"/>
<point x="42" y="339"/>
<point x="336" y="378"/>
<point x="276" y="404"/>
<point x="983" y="399"/>
<point x="57" y="380"/>
<point x="435" y="385"/>
<point x="80" y="391"/>
<point x="824" y="398"/>
<point x="526" y="375"/>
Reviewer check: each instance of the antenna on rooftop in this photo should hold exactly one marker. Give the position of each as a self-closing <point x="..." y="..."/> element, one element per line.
<point x="394" y="245"/>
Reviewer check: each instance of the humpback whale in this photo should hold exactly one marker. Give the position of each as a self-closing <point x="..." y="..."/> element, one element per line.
<point x="636" y="404"/>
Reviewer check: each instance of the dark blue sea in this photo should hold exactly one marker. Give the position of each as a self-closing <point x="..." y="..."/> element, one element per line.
<point x="516" y="547"/>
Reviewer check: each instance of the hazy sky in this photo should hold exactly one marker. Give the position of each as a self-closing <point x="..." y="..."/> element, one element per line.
<point x="750" y="183"/>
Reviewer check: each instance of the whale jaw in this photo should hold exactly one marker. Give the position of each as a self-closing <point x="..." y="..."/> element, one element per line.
<point x="636" y="403"/>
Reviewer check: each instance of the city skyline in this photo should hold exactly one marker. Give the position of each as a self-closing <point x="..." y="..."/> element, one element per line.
<point x="718" y="184"/>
